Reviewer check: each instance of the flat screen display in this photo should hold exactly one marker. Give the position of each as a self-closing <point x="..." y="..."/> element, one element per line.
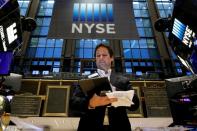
<point x="183" y="33"/>
<point x="182" y="97"/>
<point x="5" y="61"/>
<point x="10" y="25"/>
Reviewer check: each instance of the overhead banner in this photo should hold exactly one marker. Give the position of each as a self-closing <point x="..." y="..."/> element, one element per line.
<point x="92" y="19"/>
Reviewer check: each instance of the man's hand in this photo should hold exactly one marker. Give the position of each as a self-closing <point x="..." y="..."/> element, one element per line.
<point x="100" y="101"/>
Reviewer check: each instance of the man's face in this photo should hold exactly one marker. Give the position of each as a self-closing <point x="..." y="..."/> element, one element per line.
<point x="103" y="59"/>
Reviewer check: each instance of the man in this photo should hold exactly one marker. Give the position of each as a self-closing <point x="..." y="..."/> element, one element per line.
<point x="94" y="107"/>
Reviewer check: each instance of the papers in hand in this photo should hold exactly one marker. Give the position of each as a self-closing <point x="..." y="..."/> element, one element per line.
<point x="124" y="98"/>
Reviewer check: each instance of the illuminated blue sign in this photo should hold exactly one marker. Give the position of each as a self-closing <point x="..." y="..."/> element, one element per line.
<point x="178" y="29"/>
<point x="96" y="14"/>
<point x="93" y="12"/>
<point x="2" y="2"/>
<point x="93" y="19"/>
<point x="183" y="32"/>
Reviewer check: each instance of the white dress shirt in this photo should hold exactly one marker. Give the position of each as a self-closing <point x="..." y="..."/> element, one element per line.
<point x="107" y="74"/>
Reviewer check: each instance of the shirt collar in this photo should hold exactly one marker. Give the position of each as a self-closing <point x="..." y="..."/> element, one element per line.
<point x="103" y="73"/>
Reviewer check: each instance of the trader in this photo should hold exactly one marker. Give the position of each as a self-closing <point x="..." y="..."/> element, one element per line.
<point x="94" y="107"/>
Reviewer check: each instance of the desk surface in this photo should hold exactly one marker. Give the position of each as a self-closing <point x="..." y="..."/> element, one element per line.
<point x="71" y="123"/>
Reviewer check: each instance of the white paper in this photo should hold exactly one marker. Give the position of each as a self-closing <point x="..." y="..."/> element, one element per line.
<point x="124" y="98"/>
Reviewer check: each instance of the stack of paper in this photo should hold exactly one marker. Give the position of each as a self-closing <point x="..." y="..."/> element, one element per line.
<point x="124" y="98"/>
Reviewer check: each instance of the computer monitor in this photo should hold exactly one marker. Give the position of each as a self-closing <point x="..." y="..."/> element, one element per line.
<point x="10" y="25"/>
<point x="183" y="33"/>
<point x="5" y="61"/>
<point x="182" y="96"/>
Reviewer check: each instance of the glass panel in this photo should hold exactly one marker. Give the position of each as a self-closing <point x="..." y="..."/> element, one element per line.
<point x="56" y="69"/>
<point x="81" y="43"/>
<point x="46" y="21"/>
<point x="41" y="63"/>
<point x="96" y="42"/>
<point x="57" y="52"/>
<point x="56" y="63"/>
<point x="39" y="21"/>
<point x="143" y="43"/>
<point x="162" y="14"/>
<point x="88" y="44"/>
<point x="128" y="70"/>
<point x="149" y="64"/>
<point x="34" y="62"/>
<point x="148" y="32"/>
<point x="136" y="5"/>
<point x="44" y="30"/>
<point x="50" y="4"/>
<point x="49" y="63"/>
<point x="48" y="53"/>
<point x="159" y="5"/>
<point x="144" y="13"/>
<point x="79" y="53"/>
<point x="22" y="12"/>
<point x="127" y="53"/>
<point x="143" y="5"/>
<point x="34" y="42"/>
<point x="137" y="13"/>
<point x="151" y="43"/>
<point x="145" y="54"/>
<point x="139" y="22"/>
<point x="135" y="63"/>
<point x="59" y="43"/>
<point x="136" y="53"/>
<point x="127" y="64"/>
<point x="50" y="43"/>
<point x="42" y="42"/>
<point x="126" y="43"/>
<point x="141" y="32"/>
<point x="134" y="44"/>
<point x="40" y="52"/>
<point x="147" y="23"/>
<point x="142" y="64"/>
<point x="88" y="53"/>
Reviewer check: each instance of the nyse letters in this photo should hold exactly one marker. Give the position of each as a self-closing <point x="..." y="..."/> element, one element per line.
<point x="99" y="28"/>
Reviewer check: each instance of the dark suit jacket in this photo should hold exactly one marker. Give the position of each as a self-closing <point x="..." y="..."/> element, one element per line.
<point x="92" y="119"/>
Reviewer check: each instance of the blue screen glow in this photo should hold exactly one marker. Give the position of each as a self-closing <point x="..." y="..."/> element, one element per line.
<point x="89" y="12"/>
<point x="2" y="2"/>
<point x="93" y="12"/>
<point x="178" y="29"/>
<point x="110" y="12"/>
<point x="76" y="12"/>
<point x="5" y="61"/>
<point x="96" y="12"/>
<point x="83" y="12"/>
<point x="103" y="12"/>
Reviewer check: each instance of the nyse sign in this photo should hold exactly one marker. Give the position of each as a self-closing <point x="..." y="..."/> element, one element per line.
<point x="93" y="19"/>
<point x="10" y="34"/>
<point x="189" y="36"/>
<point x="184" y="33"/>
<point x="100" y="28"/>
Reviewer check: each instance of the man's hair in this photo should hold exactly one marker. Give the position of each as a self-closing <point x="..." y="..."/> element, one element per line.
<point x="105" y="46"/>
